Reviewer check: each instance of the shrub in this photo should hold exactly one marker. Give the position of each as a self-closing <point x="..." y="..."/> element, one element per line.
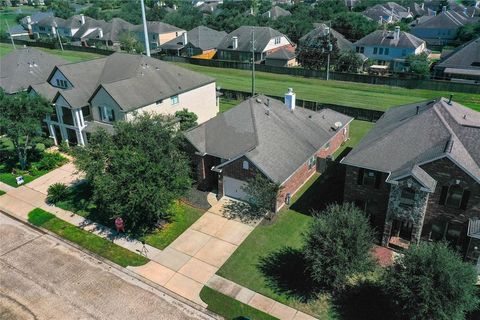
<point x="39" y="147"/>
<point x="50" y="160"/>
<point x="64" y="147"/>
<point x="57" y="192"/>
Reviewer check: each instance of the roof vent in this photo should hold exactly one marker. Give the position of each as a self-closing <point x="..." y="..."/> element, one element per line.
<point x="290" y="99"/>
<point x="450" y="99"/>
<point x="337" y="124"/>
<point x="464" y="116"/>
<point x="418" y="110"/>
<point x="258" y="100"/>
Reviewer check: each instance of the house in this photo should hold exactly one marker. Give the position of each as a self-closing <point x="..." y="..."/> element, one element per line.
<point x="390" y="47"/>
<point x="442" y="28"/>
<point x="462" y="65"/>
<point x="237" y="45"/>
<point x="267" y="137"/>
<point x="93" y="94"/>
<point x="158" y="33"/>
<point x="102" y="32"/>
<point x="389" y="12"/>
<point x="275" y="12"/>
<point x="50" y="26"/>
<point x="24" y="67"/>
<point x="416" y="174"/>
<point x="200" y="40"/>
<point x="282" y="58"/>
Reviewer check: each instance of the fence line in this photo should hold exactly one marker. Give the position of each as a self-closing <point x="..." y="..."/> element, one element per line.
<point x="357" y="113"/>
<point x="56" y="45"/>
<point x="410" y="83"/>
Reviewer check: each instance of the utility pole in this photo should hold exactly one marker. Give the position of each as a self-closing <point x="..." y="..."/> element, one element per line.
<point x="145" y="32"/>
<point x="11" y="37"/>
<point x="329" y="48"/>
<point x="58" y="36"/>
<point x="253" y="61"/>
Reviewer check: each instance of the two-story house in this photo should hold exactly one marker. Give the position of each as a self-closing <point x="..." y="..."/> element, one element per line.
<point x="237" y="45"/>
<point x="158" y="33"/>
<point x="94" y="94"/>
<point x="416" y="174"/>
<point x="263" y="136"/>
<point x="52" y="26"/>
<point x="390" y="47"/>
<point x="199" y="40"/>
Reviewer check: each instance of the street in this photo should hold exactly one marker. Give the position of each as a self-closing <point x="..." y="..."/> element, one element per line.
<point x="42" y="277"/>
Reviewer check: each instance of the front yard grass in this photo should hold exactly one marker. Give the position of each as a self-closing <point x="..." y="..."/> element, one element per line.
<point x="230" y="308"/>
<point x="85" y="239"/>
<point x="79" y="201"/>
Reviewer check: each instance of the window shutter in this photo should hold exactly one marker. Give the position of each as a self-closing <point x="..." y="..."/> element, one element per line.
<point x="100" y="113"/>
<point x="113" y="115"/>
<point x="443" y="195"/>
<point x="466" y="195"/>
<point x="378" y="180"/>
<point x="360" y="176"/>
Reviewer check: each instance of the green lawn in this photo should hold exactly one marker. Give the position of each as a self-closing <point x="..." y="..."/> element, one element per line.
<point x="230" y="308"/>
<point x="85" y="239"/>
<point x="336" y="92"/>
<point x="358" y="129"/>
<point x="79" y="201"/>
<point x="72" y="56"/>
<point x="226" y="104"/>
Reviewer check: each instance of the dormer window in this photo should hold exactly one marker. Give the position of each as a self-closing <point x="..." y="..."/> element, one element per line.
<point x="62" y="83"/>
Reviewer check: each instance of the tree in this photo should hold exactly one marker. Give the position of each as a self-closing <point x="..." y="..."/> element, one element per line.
<point x="21" y="118"/>
<point x="187" y="119"/>
<point x="186" y="17"/>
<point x="419" y="64"/>
<point x="337" y="245"/>
<point x="138" y="172"/>
<point x="432" y="282"/>
<point x="327" y="9"/>
<point x="348" y="61"/>
<point x="262" y="193"/>
<point x="314" y="51"/>
<point x="130" y="43"/>
<point x="353" y="25"/>
<point x="468" y="32"/>
<point x="62" y="9"/>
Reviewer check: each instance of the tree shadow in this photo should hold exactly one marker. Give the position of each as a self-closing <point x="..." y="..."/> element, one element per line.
<point x="326" y="190"/>
<point x="243" y="211"/>
<point x="366" y="300"/>
<point x="285" y="272"/>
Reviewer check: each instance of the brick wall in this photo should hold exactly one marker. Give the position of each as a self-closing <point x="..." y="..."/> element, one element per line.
<point x="235" y="170"/>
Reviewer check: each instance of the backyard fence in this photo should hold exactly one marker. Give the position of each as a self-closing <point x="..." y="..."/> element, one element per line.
<point x="410" y="83"/>
<point x="56" y="45"/>
<point x="357" y="113"/>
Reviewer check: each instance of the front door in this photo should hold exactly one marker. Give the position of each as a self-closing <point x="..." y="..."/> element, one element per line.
<point x="401" y="233"/>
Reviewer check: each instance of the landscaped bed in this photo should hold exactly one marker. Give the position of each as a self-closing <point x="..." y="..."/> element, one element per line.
<point x="230" y="308"/>
<point x="85" y="239"/>
<point x="79" y="201"/>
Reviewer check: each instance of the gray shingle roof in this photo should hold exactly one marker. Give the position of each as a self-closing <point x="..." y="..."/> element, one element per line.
<point x="262" y="36"/>
<point x="386" y="39"/>
<point x="276" y="12"/>
<point x="464" y="57"/>
<point x="24" y="67"/>
<point x="157" y="27"/>
<point x="133" y="81"/>
<point x="445" y="20"/>
<point x="277" y="143"/>
<point x="402" y="139"/>
<point x="200" y="37"/>
<point x="321" y="31"/>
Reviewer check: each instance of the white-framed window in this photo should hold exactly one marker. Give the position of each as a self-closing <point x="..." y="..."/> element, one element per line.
<point x="245" y="165"/>
<point x="62" y="83"/>
<point x="106" y="114"/>
<point x="174" y="99"/>
<point x="277" y="40"/>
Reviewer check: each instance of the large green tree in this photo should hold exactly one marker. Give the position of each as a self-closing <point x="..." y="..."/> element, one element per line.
<point x="262" y="193"/>
<point x="136" y="173"/>
<point x="468" y="32"/>
<point x="314" y="51"/>
<point x="21" y="118"/>
<point x="419" y="64"/>
<point x="130" y="43"/>
<point x="353" y="25"/>
<point x="62" y="9"/>
<point x="430" y="281"/>
<point x="348" y="61"/>
<point x="187" y="119"/>
<point x="337" y="246"/>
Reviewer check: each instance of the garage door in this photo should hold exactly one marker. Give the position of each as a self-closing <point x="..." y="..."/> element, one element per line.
<point x="233" y="188"/>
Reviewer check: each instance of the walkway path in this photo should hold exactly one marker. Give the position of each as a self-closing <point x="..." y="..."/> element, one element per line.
<point x="185" y="266"/>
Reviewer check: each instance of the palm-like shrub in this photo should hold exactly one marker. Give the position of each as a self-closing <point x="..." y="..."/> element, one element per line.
<point x="57" y="192"/>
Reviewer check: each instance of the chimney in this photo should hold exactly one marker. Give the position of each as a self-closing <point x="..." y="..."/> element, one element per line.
<point x="29" y="24"/>
<point x="100" y="33"/>
<point x="381" y="20"/>
<point x="251" y="11"/>
<point x="327" y="31"/>
<point x="235" y="42"/>
<point x="290" y="99"/>
<point x="175" y="7"/>
<point x="444" y="9"/>
<point x="54" y="30"/>
<point x="423" y="6"/>
<point x="396" y="35"/>
<point x="450" y="99"/>
<point x="465" y="11"/>
<point x="82" y="19"/>
<point x="184" y="38"/>
<point x="269" y="14"/>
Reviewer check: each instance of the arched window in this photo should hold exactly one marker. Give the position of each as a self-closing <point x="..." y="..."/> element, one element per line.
<point x="454" y="196"/>
<point x="245" y="165"/>
<point x="407" y="197"/>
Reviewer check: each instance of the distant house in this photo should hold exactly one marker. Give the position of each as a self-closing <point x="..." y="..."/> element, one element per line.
<point x="389" y="12"/>
<point x="263" y="136"/>
<point x="51" y="26"/>
<point x="199" y="40"/>
<point x="282" y="58"/>
<point x="390" y="47"/>
<point x="106" y="33"/>
<point x="461" y="65"/>
<point x="416" y="174"/>
<point x="276" y="12"/>
<point x="442" y="28"/>
<point x="322" y="30"/>
<point x="237" y="45"/>
<point x="24" y="67"/>
<point x="158" y="33"/>
<point x="94" y="94"/>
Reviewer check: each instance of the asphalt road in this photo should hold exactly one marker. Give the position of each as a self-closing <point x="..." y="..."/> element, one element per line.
<point x="44" y="278"/>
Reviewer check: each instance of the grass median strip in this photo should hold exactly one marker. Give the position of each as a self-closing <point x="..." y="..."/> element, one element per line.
<point x="230" y="308"/>
<point x="85" y="239"/>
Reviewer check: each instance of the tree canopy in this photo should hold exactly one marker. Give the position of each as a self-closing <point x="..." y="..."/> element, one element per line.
<point x="419" y="64"/>
<point x="138" y="172"/>
<point x="432" y="282"/>
<point x="130" y="43"/>
<point x="314" y="51"/>
<point x="187" y="119"/>
<point x="348" y="61"/>
<point x="21" y="117"/>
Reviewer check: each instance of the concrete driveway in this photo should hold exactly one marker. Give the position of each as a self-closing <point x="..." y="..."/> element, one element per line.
<point x="44" y="278"/>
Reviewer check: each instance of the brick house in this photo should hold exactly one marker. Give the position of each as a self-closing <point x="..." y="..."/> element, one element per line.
<point x="264" y="136"/>
<point x="417" y="174"/>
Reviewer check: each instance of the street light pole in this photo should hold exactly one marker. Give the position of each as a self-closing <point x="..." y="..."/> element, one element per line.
<point x="253" y="61"/>
<point x="145" y="32"/>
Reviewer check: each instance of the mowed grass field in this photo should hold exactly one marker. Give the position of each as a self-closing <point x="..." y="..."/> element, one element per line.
<point x="353" y="94"/>
<point x="72" y="56"/>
